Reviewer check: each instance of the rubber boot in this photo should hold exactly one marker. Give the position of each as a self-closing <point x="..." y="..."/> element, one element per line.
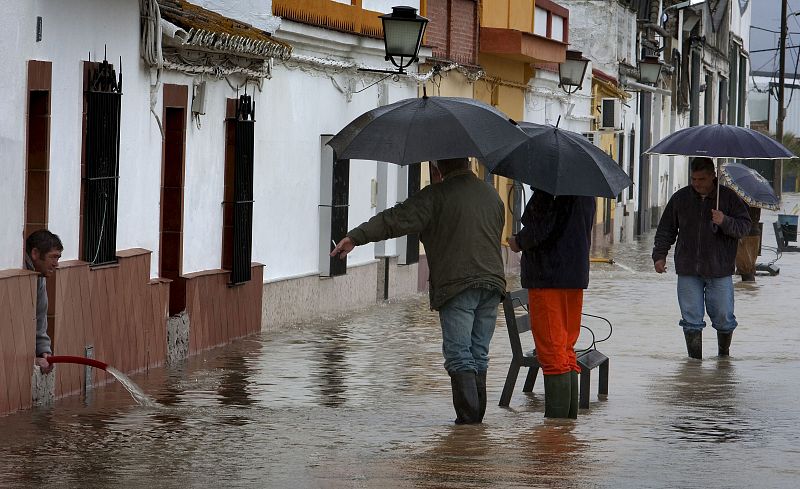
<point x="724" y="342"/>
<point x="573" y="394"/>
<point x="465" y="396"/>
<point x="694" y="343"/>
<point x="557" y="395"/>
<point x="480" y="381"/>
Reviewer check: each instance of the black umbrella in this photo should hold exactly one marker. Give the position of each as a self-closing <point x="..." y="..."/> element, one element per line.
<point x="561" y="162"/>
<point x="425" y="129"/>
<point x="753" y="188"/>
<point x="721" y="141"/>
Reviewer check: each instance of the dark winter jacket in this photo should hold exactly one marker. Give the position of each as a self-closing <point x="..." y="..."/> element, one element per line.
<point x="555" y="241"/>
<point x="703" y="249"/>
<point x="460" y="222"/>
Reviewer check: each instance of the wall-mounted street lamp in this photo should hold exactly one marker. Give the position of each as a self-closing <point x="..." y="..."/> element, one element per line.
<point x="650" y="70"/>
<point x="402" y="34"/>
<point x="571" y="71"/>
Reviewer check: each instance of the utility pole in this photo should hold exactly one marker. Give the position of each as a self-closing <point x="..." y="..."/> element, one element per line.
<point x="777" y="182"/>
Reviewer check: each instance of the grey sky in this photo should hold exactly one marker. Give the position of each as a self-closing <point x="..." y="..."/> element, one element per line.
<point x="767" y="14"/>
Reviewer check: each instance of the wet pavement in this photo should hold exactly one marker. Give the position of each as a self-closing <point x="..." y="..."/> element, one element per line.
<point x="363" y="401"/>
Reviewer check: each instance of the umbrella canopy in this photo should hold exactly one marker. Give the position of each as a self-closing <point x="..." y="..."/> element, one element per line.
<point x="753" y="188"/>
<point x="721" y="141"/>
<point x="425" y="129"/>
<point x="561" y="162"/>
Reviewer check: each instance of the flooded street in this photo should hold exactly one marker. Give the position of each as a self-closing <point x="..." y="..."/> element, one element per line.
<point x="363" y="401"/>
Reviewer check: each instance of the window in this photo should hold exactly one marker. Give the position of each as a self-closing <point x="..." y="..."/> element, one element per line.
<point x="334" y="192"/>
<point x="237" y="243"/>
<point x="631" y="161"/>
<point x="38" y="146"/>
<point x="102" y="100"/>
<point x="621" y="158"/>
<point x="408" y="185"/>
<point x="708" y="111"/>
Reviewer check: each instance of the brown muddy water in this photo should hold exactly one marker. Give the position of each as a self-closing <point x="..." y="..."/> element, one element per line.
<point x="363" y="402"/>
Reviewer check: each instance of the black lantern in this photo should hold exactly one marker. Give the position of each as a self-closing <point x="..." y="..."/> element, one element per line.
<point x="649" y="70"/>
<point x="571" y="71"/>
<point x="402" y="33"/>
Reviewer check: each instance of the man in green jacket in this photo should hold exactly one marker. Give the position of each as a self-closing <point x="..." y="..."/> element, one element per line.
<point x="460" y="222"/>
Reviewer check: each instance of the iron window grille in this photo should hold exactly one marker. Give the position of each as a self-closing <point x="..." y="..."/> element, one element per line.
<point x="409" y="252"/>
<point x="103" y="101"/>
<point x="243" y="190"/>
<point x="340" y="206"/>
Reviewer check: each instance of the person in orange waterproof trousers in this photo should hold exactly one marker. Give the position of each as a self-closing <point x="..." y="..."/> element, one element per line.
<point x="555" y="242"/>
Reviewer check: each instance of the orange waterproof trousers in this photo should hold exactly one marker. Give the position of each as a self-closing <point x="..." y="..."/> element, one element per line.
<point x="556" y="323"/>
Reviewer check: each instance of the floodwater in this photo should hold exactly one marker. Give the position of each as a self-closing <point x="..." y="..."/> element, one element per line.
<point x="363" y="402"/>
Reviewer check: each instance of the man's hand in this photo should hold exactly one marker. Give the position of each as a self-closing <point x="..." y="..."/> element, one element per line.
<point x="717" y="217"/>
<point x="660" y="265"/>
<point x="45" y="366"/>
<point x="344" y="247"/>
<point x="512" y="243"/>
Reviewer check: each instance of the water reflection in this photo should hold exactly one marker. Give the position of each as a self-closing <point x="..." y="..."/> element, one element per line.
<point x="235" y="381"/>
<point x="703" y="402"/>
<point x="330" y="367"/>
<point x="553" y="451"/>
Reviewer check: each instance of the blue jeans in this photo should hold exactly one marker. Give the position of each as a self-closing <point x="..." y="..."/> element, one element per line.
<point x="468" y="321"/>
<point x="716" y="294"/>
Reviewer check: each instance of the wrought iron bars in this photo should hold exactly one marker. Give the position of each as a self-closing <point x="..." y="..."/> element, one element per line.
<point x="243" y="190"/>
<point x="103" y="102"/>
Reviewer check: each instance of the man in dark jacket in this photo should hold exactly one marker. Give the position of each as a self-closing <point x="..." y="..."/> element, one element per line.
<point x="705" y="255"/>
<point x="460" y="222"/>
<point x="555" y="243"/>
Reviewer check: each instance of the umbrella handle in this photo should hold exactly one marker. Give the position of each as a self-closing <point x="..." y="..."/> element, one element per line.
<point x="719" y="175"/>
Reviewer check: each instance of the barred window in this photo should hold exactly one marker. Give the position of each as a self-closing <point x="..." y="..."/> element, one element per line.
<point x="238" y="211"/>
<point x="333" y="208"/>
<point x="102" y="100"/>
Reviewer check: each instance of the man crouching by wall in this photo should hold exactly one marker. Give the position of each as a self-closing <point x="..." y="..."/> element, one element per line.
<point x="42" y="252"/>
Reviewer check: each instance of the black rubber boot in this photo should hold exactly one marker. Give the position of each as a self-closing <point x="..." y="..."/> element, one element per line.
<point x="557" y="395"/>
<point x="724" y="342"/>
<point x="465" y="396"/>
<point x="573" y="394"/>
<point x="480" y="381"/>
<point x="694" y="343"/>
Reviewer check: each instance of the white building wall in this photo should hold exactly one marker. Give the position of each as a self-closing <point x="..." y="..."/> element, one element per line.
<point x="304" y="101"/>
<point x="18" y="40"/>
<point x="70" y="31"/>
<point x="257" y="13"/>
<point x="386" y="5"/>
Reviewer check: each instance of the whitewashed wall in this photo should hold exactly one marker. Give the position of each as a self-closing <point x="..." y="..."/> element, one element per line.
<point x="386" y="5"/>
<point x="302" y="103"/>
<point x="18" y="26"/>
<point x="70" y="31"/>
<point x="255" y="12"/>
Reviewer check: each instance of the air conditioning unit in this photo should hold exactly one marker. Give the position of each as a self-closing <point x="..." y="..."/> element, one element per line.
<point x="610" y="114"/>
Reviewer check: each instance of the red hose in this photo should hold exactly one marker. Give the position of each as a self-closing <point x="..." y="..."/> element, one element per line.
<point x="81" y="360"/>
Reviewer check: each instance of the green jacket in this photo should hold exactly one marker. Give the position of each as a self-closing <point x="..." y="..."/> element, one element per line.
<point x="460" y="222"/>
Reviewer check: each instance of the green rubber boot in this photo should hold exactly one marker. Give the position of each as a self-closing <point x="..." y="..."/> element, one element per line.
<point x="573" y="396"/>
<point x="480" y="380"/>
<point x="557" y="395"/>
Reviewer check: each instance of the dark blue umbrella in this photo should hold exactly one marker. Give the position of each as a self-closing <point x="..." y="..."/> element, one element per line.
<point x="560" y="162"/>
<point x="721" y="141"/>
<point x="748" y="184"/>
<point x="425" y="129"/>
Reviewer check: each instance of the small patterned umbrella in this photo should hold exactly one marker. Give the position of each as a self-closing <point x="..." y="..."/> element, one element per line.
<point x="748" y="184"/>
